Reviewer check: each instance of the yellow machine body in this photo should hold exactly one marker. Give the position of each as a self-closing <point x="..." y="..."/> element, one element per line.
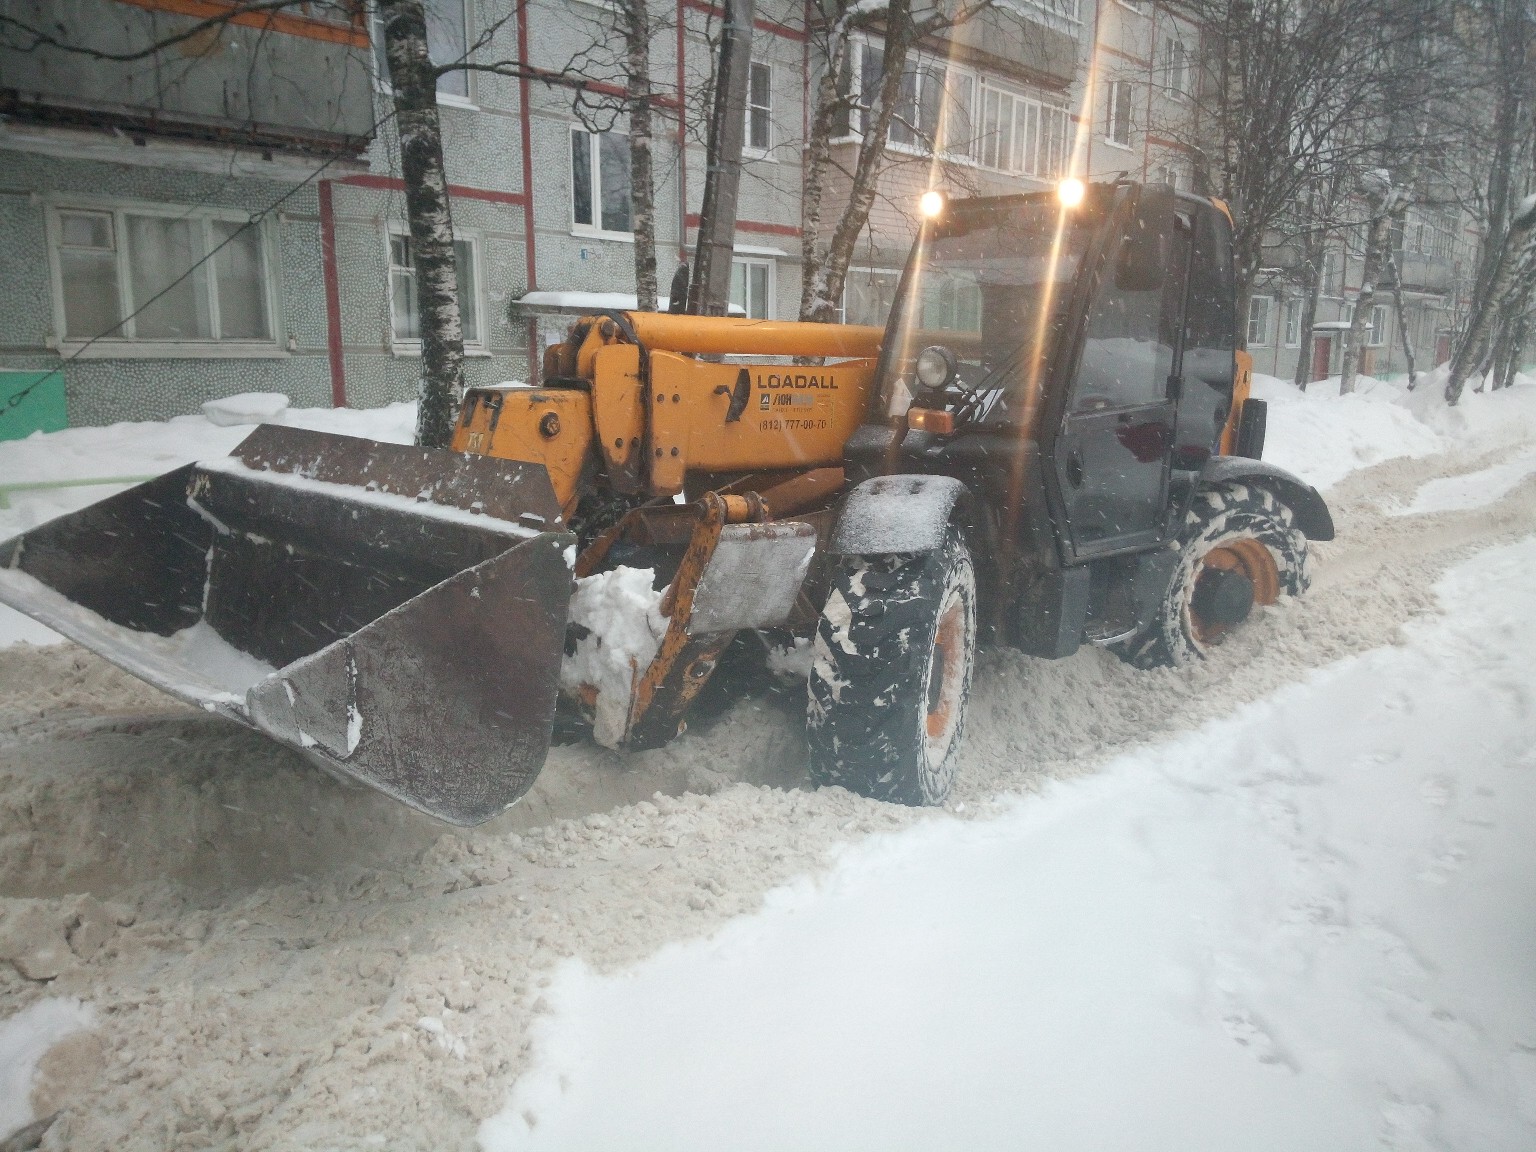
<point x="548" y="426"/>
<point x="637" y="388"/>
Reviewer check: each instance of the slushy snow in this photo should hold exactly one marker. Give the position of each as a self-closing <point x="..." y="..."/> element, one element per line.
<point x="24" y="1038"/>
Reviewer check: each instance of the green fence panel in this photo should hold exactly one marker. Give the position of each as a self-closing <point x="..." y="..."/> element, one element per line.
<point x="31" y="402"/>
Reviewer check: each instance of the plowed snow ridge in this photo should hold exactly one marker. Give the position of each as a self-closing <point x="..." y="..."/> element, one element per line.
<point x="275" y="961"/>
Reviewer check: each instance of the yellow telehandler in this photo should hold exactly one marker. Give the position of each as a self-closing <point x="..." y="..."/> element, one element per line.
<point x="1049" y="443"/>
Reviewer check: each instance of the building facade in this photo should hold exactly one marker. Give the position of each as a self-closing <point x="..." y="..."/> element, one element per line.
<point x="228" y="216"/>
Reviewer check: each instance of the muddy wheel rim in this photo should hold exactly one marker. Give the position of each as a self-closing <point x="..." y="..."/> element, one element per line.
<point x="1247" y="557"/>
<point x="946" y="678"/>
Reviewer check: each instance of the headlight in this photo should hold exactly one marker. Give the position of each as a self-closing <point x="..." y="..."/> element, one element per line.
<point x="935" y="366"/>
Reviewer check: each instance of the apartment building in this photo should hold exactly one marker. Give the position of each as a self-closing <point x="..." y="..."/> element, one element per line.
<point x="262" y="156"/>
<point x="1433" y="256"/>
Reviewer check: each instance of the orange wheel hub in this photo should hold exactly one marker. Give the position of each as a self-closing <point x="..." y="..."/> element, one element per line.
<point x="948" y="661"/>
<point x="1246" y="557"/>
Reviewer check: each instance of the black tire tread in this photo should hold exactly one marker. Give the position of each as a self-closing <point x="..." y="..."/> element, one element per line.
<point x="868" y="678"/>
<point x="1224" y="512"/>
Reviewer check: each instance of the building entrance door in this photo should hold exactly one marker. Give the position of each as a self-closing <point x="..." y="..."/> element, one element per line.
<point x="1322" y="355"/>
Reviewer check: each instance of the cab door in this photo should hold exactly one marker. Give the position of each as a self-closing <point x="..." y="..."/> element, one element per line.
<point x="1113" y="450"/>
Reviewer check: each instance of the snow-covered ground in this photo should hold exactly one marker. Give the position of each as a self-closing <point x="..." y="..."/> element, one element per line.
<point x="1309" y="925"/>
<point x="1279" y="899"/>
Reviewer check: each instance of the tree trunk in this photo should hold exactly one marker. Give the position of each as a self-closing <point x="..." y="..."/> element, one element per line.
<point x="823" y="285"/>
<point x="1378" y="236"/>
<point x="637" y="90"/>
<point x="1480" y="324"/>
<point x="414" y="80"/>
<point x="1313" y="284"/>
<point x="710" y="292"/>
<point x="814" y="302"/>
<point x="1402" y="320"/>
<point x="1517" y="348"/>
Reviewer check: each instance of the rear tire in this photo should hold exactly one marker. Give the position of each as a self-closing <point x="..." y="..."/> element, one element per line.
<point x="1231" y="531"/>
<point x="891" y="674"/>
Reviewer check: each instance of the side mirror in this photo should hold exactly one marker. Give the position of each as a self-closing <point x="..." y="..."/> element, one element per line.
<point x="1142" y="262"/>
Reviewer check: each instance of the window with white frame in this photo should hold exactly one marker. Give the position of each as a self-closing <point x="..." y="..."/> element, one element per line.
<point x="919" y="105"/>
<point x="405" y="301"/>
<point x="934" y="105"/>
<point x="1178" y="75"/>
<point x="1258" y="320"/>
<point x="1067" y="13"/>
<point x="868" y="294"/>
<point x="1332" y="272"/>
<point x="1377" y="336"/>
<point x="447" y="42"/>
<point x="1020" y="135"/>
<point x="1117" y="113"/>
<point x="760" y="107"/>
<point x="752" y="287"/>
<point x="1442" y="234"/>
<point x="1293" y="322"/>
<point x="161" y="275"/>
<point x="600" y="184"/>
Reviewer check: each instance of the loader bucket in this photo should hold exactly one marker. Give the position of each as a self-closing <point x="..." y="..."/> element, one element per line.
<point x="397" y="614"/>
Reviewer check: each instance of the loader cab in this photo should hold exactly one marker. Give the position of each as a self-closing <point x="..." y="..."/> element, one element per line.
<point x="1098" y="339"/>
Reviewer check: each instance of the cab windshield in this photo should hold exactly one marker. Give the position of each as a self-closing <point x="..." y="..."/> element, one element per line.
<point x="988" y="282"/>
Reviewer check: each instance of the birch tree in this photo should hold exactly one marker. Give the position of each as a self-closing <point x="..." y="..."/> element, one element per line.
<point x="618" y="58"/>
<point x="1290" y="89"/>
<point x="1382" y="201"/>
<point x="1497" y="169"/>
<point x="413" y="81"/>
<point x="1516" y="254"/>
<point x="824" y="264"/>
<point x="1318" y="211"/>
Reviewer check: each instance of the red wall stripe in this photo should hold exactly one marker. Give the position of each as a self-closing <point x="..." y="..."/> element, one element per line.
<point x="332" y="297"/>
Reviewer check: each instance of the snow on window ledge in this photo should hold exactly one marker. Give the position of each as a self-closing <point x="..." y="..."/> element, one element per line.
<point x="587" y="232"/>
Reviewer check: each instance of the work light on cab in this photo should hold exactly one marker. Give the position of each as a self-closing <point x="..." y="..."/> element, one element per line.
<point x="935" y="367"/>
<point x="1071" y="192"/>
<point x="931" y="204"/>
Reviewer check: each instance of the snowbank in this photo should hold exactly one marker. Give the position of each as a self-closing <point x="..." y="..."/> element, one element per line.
<point x="1323" y="437"/>
<point x="1305" y="926"/>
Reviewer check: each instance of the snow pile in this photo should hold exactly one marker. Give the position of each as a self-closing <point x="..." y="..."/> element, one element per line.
<point x="619" y="626"/>
<point x="1323" y="436"/>
<point x="25" y="1037"/>
<point x="1305" y="926"/>
<point x="246" y="408"/>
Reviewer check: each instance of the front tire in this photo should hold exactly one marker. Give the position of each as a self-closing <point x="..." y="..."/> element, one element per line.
<point x="1240" y="547"/>
<point x="891" y="674"/>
